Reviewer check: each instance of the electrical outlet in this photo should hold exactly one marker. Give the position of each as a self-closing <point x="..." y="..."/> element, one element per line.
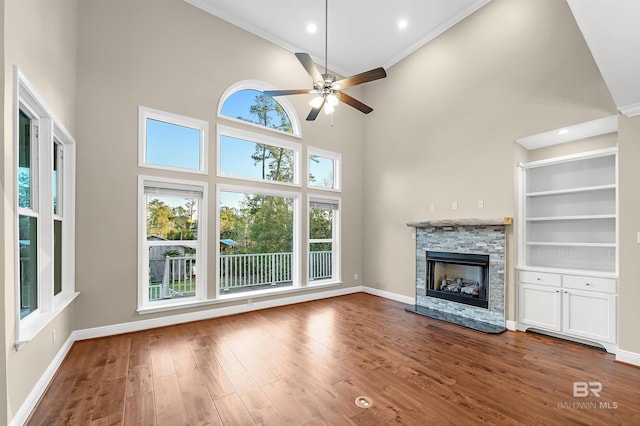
<point x="432" y="207"/>
<point x="454" y="205"/>
<point x="413" y="235"/>
<point x="480" y="204"/>
<point x="53" y="336"/>
<point x="355" y="277"/>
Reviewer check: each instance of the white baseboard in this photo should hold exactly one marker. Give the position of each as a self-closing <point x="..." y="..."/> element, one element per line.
<point x="388" y="295"/>
<point x="41" y="386"/>
<point x="628" y="357"/>
<point x="511" y="325"/>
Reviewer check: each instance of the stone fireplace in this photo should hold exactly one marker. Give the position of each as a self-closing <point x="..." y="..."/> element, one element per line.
<point x="460" y="271"/>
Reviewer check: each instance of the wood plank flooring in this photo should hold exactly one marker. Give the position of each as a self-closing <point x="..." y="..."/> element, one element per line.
<point x="305" y="364"/>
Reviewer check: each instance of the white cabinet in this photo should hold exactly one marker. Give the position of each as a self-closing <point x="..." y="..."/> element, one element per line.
<point x="540" y="306"/>
<point x="574" y="305"/>
<point x="590" y="315"/>
<point x="568" y="239"/>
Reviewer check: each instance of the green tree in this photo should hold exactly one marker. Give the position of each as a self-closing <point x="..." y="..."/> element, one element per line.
<point x="172" y="223"/>
<point x="271" y="224"/>
<point x="159" y="218"/>
<point x="231" y="224"/>
<point x="275" y="161"/>
<point x="321" y="228"/>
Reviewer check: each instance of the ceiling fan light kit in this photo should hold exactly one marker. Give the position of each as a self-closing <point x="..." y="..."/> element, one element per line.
<point x="326" y="87"/>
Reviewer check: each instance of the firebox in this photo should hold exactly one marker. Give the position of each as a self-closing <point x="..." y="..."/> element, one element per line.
<point x="458" y="277"/>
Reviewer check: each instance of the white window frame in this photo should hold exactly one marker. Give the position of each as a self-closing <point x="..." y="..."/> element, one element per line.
<point x="258" y="138"/>
<point x="337" y="168"/>
<point x="144" y="305"/>
<point x="50" y="131"/>
<point x="336" y="256"/>
<point x="295" y="273"/>
<point x="201" y="126"/>
<point x="261" y="86"/>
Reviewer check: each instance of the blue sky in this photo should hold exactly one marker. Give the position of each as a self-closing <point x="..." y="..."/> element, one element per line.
<point x="172" y="145"/>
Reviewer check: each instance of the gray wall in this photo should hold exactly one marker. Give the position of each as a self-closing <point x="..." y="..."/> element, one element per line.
<point x="40" y="37"/>
<point x="450" y="113"/>
<point x="629" y="291"/>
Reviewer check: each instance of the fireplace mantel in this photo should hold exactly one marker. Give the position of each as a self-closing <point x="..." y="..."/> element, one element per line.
<point x="482" y="221"/>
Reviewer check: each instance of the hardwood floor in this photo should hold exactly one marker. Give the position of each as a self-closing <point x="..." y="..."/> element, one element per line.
<point x="306" y="364"/>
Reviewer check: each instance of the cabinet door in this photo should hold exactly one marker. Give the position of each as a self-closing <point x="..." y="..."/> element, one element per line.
<point x="589" y="314"/>
<point x="540" y="306"/>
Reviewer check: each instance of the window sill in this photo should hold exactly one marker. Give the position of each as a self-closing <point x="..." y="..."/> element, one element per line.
<point x="235" y="298"/>
<point x="26" y="333"/>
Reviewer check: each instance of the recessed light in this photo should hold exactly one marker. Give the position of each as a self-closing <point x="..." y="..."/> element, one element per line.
<point x="312" y="27"/>
<point x="403" y="24"/>
<point x="563" y="131"/>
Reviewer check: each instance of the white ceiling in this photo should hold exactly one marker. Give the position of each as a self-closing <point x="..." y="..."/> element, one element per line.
<point x="611" y="29"/>
<point x="364" y="34"/>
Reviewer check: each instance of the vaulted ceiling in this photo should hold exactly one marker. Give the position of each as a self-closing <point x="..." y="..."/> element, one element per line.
<point x="365" y="34"/>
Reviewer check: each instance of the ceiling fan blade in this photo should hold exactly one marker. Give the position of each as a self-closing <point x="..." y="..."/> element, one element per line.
<point x="308" y="65"/>
<point x="363" y="77"/>
<point x="351" y="101"/>
<point x="286" y="92"/>
<point x="315" y="111"/>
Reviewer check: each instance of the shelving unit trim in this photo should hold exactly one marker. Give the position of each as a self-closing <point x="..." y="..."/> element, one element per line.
<point x="566" y="218"/>
<point x="571" y="190"/>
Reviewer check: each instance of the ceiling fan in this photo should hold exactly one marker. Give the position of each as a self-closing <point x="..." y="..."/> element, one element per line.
<point x="326" y="86"/>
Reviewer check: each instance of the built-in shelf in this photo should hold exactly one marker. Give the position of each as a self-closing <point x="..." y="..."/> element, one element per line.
<point x="568" y="250"/>
<point x="569" y="244"/>
<point x="568" y="212"/>
<point x="563" y="218"/>
<point x="571" y="190"/>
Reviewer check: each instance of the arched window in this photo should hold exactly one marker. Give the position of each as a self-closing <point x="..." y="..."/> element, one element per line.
<point x="245" y="102"/>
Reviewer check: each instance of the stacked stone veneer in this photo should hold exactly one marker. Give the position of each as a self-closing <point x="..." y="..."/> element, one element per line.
<point x="474" y="239"/>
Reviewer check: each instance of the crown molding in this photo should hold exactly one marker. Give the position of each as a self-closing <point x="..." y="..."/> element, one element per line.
<point x="630" y="110"/>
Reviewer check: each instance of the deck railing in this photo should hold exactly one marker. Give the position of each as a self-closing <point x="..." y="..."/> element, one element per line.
<point x="238" y="272"/>
<point x="250" y="270"/>
<point x="178" y="279"/>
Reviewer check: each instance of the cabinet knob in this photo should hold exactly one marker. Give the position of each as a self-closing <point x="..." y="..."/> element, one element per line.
<point x="588" y="283"/>
<point x="566" y="292"/>
<point x="539" y="279"/>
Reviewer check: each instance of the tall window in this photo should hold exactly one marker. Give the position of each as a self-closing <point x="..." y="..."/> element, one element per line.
<point x="258" y="234"/>
<point x="44" y="223"/>
<point x="57" y="200"/>
<point x="28" y="211"/>
<point x="324" y="216"/>
<point x="173" y="223"/>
